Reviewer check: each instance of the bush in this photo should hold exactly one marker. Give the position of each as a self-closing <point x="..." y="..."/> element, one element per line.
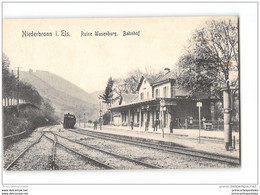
<point x="28" y="120"/>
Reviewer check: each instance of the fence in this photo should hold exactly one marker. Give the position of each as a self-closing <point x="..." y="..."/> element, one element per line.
<point x="13" y="138"/>
<point x="11" y="101"/>
<point x="207" y="125"/>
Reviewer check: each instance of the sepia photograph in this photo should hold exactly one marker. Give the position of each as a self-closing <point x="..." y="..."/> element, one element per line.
<point x="127" y="93"/>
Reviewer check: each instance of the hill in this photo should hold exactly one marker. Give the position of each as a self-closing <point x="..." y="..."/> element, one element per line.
<point x="96" y="94"/>
<point x="63" y="95"/>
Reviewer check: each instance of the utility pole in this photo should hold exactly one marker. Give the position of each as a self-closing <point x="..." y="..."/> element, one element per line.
<point x="18" y="89"/>
<point x="100" y="113"/>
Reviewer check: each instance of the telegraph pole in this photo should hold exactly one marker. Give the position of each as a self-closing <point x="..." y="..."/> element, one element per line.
<point x="18" y="89"/>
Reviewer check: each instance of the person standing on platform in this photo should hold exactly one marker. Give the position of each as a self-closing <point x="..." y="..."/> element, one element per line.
<point x="186" y="123"/>
<point x="191" y="122"/>
<point x="171" y="126"/>
<point x="156" y="125"/>
<point x="95" y="125"/>
<point x="146" y="125"/>
<point x="203" y="122"/>
<point x="132" y="125"/>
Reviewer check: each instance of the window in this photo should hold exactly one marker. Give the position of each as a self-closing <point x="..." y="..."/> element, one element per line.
<point x="165" y="92"/>
<point x="148" y="95"/>
<point x="141" y="96"/>
<point x="157" y="93"/>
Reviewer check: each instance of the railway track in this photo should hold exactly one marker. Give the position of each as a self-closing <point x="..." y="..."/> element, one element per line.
<point x="159" y="146"/>
<point x="23" y="152"/>
<point x="89" y="159"/>
<point x="110" y="153"/>
<point x="53" y="164"/>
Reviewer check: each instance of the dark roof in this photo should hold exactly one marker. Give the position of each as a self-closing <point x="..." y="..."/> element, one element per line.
<point x="166" y="77"/>
<point x="129" y="98"/>
<point x="150" y="79"/>
<point x="184" y="93"/>
<point x="169" y="76"/>
<point x="136" y="102"/>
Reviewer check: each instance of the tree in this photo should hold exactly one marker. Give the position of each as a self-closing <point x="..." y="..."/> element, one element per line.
<point x="207" y="64"/>
<point x="108" y="93"/>
<point x="30" y="94"/>
<point x="211" y="56"/>
<point x="130" y="83"/>
<point x="27" y="92"/>
<point x="9" y="80"/>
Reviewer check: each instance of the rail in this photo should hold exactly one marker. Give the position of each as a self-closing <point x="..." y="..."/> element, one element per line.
<point x="112" y="154"/>
<point x="158" y="146"/>
<point x="26" y="149"/>
<point x="8" y="136"/>
<point x="98" y="163"/>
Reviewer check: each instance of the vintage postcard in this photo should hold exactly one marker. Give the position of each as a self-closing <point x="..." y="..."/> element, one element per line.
<point x="121" y="93"/>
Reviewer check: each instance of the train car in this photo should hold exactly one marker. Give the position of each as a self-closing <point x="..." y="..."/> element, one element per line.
<point x="69" y="121"/>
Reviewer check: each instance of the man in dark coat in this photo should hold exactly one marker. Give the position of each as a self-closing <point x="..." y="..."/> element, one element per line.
<point x="95" y="125"/>
<point x="132" y="124"/>
<point x="171" y="126"/>
<point x="146" y="125"/>
<point x="156" y="125"/>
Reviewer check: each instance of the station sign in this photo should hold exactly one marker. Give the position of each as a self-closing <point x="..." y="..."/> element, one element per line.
<point x="199" y="104"/>
<point x="171" y="103"/>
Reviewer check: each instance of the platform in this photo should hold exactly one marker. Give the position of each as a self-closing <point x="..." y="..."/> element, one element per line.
<point x="210" y="141"/>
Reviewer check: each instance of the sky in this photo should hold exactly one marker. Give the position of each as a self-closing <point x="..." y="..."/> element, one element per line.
<point x="88" y="61"/>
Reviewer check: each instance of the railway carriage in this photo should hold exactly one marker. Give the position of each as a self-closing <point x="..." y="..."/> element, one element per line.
<point x="69" y="121"/>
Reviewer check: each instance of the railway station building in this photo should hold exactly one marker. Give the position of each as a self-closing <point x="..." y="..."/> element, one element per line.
<point x="160" y="99"/>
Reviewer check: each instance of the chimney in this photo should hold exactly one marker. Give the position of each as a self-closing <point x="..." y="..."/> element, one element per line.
<point x="166" y="70"/>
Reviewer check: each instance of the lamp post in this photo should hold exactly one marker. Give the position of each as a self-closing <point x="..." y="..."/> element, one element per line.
<point x="162" y="109"/>
<point x="18" y="91"/>
<point x="100" y="111"/>
<point x="100" y="119"/>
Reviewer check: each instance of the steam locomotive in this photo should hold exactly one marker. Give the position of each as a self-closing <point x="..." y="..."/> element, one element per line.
<point x="69" y="121"/>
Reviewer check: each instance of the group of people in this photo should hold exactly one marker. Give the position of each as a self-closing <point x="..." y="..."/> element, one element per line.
<point x="155" y="126"/>
<point x="96" y="124"/>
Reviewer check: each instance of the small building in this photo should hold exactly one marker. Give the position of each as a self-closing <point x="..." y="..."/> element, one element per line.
<point x="160" y="99"/>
